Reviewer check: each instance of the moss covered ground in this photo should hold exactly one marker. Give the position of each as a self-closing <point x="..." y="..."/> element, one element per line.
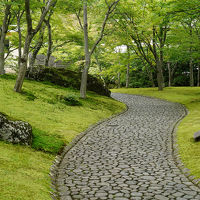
<point x="24" y="170"/>
<point x="190" y="97"/>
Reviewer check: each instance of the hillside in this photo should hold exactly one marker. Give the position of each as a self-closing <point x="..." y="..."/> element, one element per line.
<point x="24" y="170"/>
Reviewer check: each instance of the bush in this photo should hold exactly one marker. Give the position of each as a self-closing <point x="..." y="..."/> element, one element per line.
<point x="71" y="100"/>
<point x="67" y="78"/>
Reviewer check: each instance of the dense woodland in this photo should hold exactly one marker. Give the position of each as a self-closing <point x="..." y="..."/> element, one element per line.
<point x="131" y="43"/>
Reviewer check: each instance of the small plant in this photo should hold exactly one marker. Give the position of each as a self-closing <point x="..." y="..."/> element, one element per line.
<point x="71" y="100"/>
<point x="29" y="95"/>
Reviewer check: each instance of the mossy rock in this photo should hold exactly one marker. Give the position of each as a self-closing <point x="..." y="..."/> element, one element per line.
<point x="67" y="78"/>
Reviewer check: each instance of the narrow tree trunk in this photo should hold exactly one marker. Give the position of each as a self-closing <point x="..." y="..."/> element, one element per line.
<point x="23" y="65"/>
<point x="3" y="32"/>
<point x="119" y="80"/>
<point x="37" y="48"/>
<point x="2" y="60"/>
<point x="35" y="53"/>
<point x="20" y="42"/>
<point x="169" y="72"/>
<point x="128" y="68"/>
<point x="191" y="73"/>
<point x="198" y="75"/>
<point x="158" y="59"/>
<point x="127" y="75"/>
<point x="19" y="16"/>
<point x="151" y="78"/>
<point x="50" y="43"/>
<point x="100" y="70"/>
<point x="83" y="88"/>
<point x="160" y="76"/>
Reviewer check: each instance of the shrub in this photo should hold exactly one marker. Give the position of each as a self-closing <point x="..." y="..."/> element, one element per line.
<point x="71" y="100"/>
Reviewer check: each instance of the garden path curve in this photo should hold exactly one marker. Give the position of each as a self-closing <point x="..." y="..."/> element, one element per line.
<point x="128" y="157"/>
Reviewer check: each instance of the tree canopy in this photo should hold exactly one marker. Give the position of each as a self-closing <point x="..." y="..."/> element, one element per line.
<point x="129" y="43"/>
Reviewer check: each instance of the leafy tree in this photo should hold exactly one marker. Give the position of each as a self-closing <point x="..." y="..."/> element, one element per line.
<point x="31" y="32"/>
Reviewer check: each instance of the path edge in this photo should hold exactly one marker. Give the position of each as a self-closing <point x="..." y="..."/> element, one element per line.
<point x="174" y="146"/>
<point x="58" y="159"/>
<point x="175" y="151"/>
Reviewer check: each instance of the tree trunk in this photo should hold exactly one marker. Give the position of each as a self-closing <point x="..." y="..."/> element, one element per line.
<point x="19" y="16"/>
<point x="30" y="34"/>
<point x="23" y="65"/>
<point x="35" y="53"/>
<point x="20" y="42"/>
<point x="83" y="88"/>
<point x="37" y="48"/>
<point x="198" y="75"/>
<point x="127" y="75"/>
<point x="169" y="72"/>
<point x="159" y="62"/>
<point x="119" y="80"/>
<point x="150" y="74"/>
<point x="191" y="74"/>
<point x="3" y="32"/>
<point x="128" y="68"/>
<point x="160" y="78"/>
<point x="50" y="43"/>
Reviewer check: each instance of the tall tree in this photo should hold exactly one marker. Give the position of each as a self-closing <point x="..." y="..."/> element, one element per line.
<point x="3" y="32"/>
<point x="88" y="53"/>
<point x="29" y="36"/>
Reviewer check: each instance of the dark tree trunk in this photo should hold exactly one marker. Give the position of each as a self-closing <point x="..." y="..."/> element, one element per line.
<point x="159" y="62"/>
<point x="50" y="43"/>
<point x="170" y="74"/>
<point x="160" y="78"/>
<point x="4" y="29"/>
<point x="198" y="75"/>
<point x="150" y="74"/>
<point x="128" y="68"/>
<point x="118" y="80"/>
<point x="37" y="48"/>
<point x="20" y="39"/>
<point x="191" y="74"/>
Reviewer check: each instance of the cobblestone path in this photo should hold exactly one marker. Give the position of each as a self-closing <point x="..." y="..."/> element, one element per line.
<point x="128" y="157"/>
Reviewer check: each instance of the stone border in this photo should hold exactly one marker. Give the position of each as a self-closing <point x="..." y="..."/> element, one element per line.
<point x="175" y="152"/>
<point x="58" y="159"/>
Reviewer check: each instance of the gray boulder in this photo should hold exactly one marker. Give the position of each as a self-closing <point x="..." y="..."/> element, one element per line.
<point x="16" y="132"/>
<point x="197" y="136"/>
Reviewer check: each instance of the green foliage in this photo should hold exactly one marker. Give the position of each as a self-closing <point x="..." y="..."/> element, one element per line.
<point x="71" y="100"/>
<point x="29" y="95"/>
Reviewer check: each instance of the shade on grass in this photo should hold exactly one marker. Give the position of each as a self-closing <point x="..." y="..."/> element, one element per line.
<point x="190" y="97"/>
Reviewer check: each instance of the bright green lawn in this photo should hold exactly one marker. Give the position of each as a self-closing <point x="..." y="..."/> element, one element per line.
<point x="24" y="170"/>
<point x="190" y="97"/>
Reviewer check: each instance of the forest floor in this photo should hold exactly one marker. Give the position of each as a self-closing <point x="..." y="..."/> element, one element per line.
<point x="24" y="171"/>
<point x="189" y="150"/>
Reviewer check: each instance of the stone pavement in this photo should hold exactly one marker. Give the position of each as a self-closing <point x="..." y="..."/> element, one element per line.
<point x="128" y="157"/>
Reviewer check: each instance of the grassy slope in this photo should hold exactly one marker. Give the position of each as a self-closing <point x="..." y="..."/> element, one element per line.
<point x="23" y="170"/>
<point x="190" y="97"/>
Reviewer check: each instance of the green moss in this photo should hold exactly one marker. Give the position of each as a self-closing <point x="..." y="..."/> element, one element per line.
<point x="190" y="97"/>
<point x="24" y="170"/>
<point x="46" y="142"/>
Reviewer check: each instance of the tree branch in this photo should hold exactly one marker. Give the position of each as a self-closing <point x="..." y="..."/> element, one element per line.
<point x="109" y="11"/>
